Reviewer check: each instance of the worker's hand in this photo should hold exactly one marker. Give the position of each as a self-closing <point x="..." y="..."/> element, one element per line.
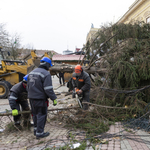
<point x="14" y="112"/>
<point x="55" y="102"/>
<point x="75" y="89"/>
<point x="80" y="92"/>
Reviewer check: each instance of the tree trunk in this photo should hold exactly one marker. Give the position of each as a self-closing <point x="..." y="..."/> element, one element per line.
<point x="67" y="68"/>
<point x="70" y="68"/>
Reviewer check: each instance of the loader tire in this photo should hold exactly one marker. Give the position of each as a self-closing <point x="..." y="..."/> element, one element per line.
<point x="8" y="84"/>
<point x="4" y="90"/>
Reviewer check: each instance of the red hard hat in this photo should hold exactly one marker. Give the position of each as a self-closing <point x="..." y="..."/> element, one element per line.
<point x="78" y="68"/>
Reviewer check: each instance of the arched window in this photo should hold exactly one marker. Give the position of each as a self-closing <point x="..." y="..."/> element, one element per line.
<point x="148" y="20"/>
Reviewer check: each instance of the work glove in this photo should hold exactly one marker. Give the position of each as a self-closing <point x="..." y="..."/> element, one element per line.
<point x="14" y="112"/>
<point x="55" y="102"/>
<point x="80" y="92"/>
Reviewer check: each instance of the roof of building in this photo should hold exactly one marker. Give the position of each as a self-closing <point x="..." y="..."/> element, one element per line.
<point x="39" y="53"/>
<point x="43" y="51"/>
<point x="59" y="57"/>
<point x="67" y="50"/>
<point x="132" y="8"/>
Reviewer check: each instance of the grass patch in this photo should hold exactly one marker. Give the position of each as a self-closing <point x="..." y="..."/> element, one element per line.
<point x="10" y="127"/>
<point x="15" y="141"/>
<point x="41" y="142"/>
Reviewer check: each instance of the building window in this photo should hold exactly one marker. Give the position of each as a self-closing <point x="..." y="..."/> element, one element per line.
<point x="148" y="20"/>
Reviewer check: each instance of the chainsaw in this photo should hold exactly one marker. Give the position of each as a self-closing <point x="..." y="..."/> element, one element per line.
<point x="77" y="98"/>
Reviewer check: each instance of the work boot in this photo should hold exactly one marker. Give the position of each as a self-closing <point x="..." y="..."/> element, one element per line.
<point x="79" y="112"/>
<point x="35" y="132"/>
<point x="17" y="123"/>
<point x="35" y="128"/>
<point x="85" y="106"/>
<point x="45" y="134"/>
<point x="27" y="124"/>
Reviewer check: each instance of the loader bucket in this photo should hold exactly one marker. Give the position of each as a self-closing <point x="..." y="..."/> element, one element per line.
<point x="29" y="69"/>
<point x="35" y="64"/>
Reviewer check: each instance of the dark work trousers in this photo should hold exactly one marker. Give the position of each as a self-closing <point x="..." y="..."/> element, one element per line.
<point x="39" y="112"/>
<point x="86" y="98"/>
<point x="25" y="107"/>
<point x="62" y="79"/>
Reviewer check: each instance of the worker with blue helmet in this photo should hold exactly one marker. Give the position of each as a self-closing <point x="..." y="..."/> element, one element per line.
<point x="17" y="99"/>
<point x="40" y="88"/>
<point x="25" y="78"/>
<point x="46" y="59"/>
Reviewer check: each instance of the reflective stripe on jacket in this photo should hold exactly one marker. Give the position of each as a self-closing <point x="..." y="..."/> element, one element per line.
<point x="17" y="92"/>
<point x="39" y="85"/>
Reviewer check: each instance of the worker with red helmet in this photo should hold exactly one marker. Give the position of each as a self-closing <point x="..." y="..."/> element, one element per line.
<point x="82" y="84"/>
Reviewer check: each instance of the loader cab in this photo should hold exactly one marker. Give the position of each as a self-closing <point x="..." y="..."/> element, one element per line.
<point x="2" y="54"/>
<point x="1" y="58"/>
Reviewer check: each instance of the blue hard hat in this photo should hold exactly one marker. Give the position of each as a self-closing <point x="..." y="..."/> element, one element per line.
<point x="46" y="59"/>
<point x="25" y="78"/>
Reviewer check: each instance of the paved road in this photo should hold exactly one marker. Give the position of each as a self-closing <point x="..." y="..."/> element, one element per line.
<point x="4" y="103"/>
<point x="120" y="138"/>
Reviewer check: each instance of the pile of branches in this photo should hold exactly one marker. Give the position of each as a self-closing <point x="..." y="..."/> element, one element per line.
<point x="124" y="51"/>
<point x="119" y="68"/>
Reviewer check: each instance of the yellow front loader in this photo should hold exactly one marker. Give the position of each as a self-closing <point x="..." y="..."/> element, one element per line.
<point x="13" y="71"/>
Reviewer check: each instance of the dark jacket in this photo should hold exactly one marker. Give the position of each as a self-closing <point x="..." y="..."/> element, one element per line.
<point x="69" y="85"/>
<point x="82" y="82"/>
<point x="61" y="74"/>
<point x="40" y="84"/>
<point x="17" y="93"/>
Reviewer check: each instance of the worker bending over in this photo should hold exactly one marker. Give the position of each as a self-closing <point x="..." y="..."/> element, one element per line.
<point x="17" y="98"/>
<point x="82" y="84"/>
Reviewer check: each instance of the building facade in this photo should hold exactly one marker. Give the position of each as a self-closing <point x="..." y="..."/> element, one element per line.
<point x="92" y="34"/>
<point x="138" y="11"/>
<point x="66" y="52"/>
<point x="67" y="59"/>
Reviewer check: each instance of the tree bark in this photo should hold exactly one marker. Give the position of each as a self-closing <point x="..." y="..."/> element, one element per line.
<point x="70" y="68"/>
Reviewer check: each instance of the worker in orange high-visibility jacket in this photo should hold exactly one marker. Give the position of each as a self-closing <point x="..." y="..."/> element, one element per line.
<point x="82" y="84"/>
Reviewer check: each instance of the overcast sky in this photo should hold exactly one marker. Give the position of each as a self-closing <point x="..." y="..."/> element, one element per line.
<point x="58" y="24"/>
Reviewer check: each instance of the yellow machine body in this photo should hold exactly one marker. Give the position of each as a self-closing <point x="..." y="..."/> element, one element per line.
<point x="12" y="72"/>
